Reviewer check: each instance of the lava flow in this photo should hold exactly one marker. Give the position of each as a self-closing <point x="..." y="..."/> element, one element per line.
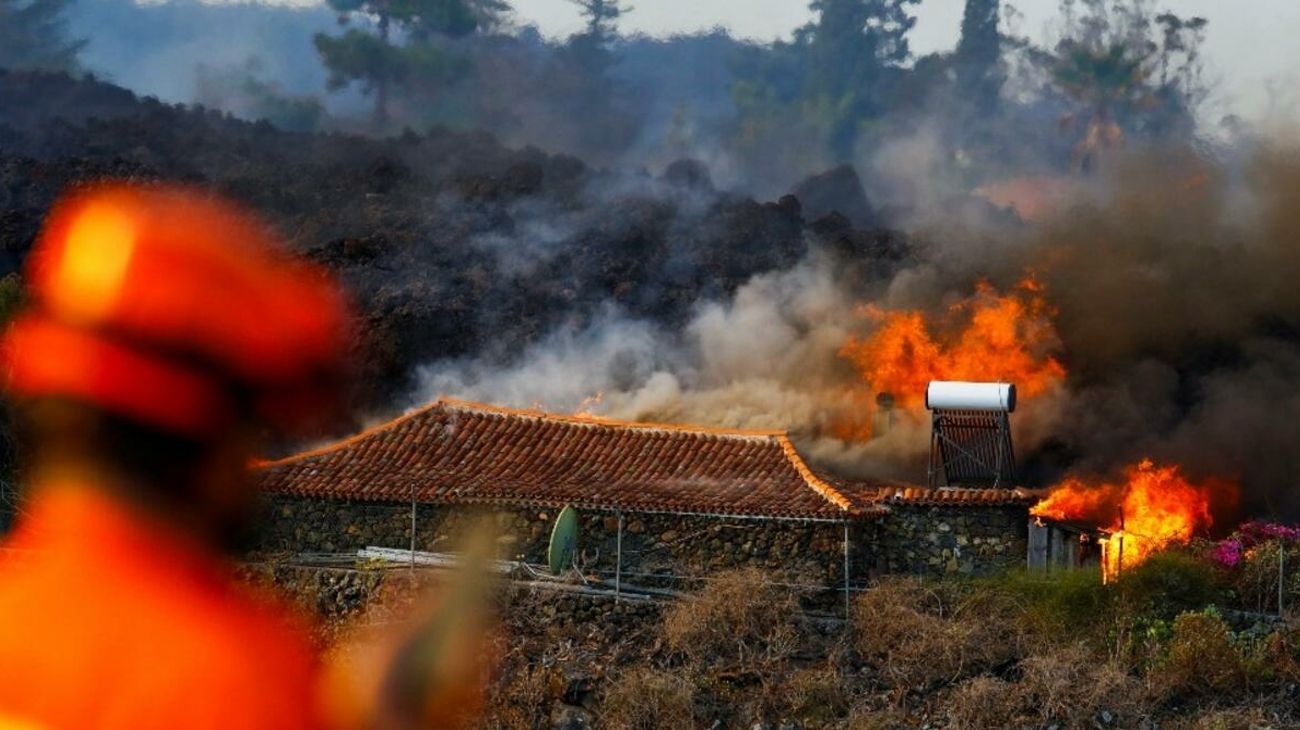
<point x="1153" y="507"/>
<point x="986" y="337"/>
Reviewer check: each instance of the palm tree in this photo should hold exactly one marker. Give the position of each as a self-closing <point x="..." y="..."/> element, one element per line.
<point x="1109" y="80"/>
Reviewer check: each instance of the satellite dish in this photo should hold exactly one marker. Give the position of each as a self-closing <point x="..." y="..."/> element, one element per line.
<point x="564" y="541"/>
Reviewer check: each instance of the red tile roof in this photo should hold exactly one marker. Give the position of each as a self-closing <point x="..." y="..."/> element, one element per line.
<point x="955" y="496"/>
<point x="459" y="452"/>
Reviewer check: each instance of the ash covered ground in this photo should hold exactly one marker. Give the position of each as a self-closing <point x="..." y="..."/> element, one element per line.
<point x="452" y="245"/>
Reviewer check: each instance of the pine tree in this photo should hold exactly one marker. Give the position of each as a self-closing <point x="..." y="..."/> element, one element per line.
<point x="591" y="47"/>
<point x="979" y="55"/>
<point x="376" y="60"/>
<point x="33" y="34"/>
<point x="852" y="47"/>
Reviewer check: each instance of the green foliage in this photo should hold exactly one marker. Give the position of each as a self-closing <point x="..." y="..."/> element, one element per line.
<point x="1112" y="76"/>
<point x="1203" y="657"/>
<point x="601" y="17"/>
<point x="1120" y="77"/>
<point x="379" y="64"/>
<point x="1023" y="649"/>
<point x="979" y="54"/>
<point x="1169" y="583"/>
<point x="1255" y="580"/>
<point x="589" y="50"/>
<point x="852" y="48"/>
<point x="1061" y="604"/>
<point x="33" y="35"/>
<point x="822" y="89"/>
<point x="359" y="56"/>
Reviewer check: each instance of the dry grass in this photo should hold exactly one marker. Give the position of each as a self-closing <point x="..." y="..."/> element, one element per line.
<point x="878" y="719"/>
<point x="740" y="622"/>
<point x="1202" y="660"/>
<point x="1071" y="688"/>
<point x="917" y="634"/>
<point x="521" y="699"/>
<point x="814" y="696"/>
<point x="984" y="703"/>
<point x="1236" y="718"/>
<point x="648" y="699"/>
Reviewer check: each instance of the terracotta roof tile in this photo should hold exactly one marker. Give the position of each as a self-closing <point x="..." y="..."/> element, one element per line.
<point x="886" y="492"/>
<point x="956" y="496"/>
<point x="453" y="451"/>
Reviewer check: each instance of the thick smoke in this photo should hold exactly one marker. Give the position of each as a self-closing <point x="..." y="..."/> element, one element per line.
<point x="1180" y="320"/>
<point x="157" y="48"/>
<point x="1172" y="281"/>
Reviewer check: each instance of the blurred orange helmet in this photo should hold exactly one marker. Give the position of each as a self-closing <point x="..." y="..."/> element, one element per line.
<point x="161" y="303"/>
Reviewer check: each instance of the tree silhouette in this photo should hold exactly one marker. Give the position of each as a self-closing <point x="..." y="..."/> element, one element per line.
<point x="979" y="55"/>
<point x="33" y="34"/>
<point x="380" y="63"/>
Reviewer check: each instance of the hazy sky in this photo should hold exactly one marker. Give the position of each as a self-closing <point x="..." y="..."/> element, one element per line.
<point x="1252" y="47"/>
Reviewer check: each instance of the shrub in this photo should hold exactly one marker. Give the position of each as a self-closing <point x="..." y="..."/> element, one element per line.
<point x="983" y="702"/>
<point x="1237" y="718"/>
<point x="648" y="699"/>
<point x="1057" y="607"/>
<point x="740" y="619"/>
<point x="1255" y="577"/>
<point x="1202" y="659"/>
<point x="521" y="699"/>
<point x="864" y="718"/>
<point x="1169" y="583"/>
<point x="918" y="633"/>
<point x="814" y="696"/>
<point x="1069" y="687"/>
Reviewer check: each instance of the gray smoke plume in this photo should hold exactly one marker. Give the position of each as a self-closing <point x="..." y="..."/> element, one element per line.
<point x="1172" y="281"/>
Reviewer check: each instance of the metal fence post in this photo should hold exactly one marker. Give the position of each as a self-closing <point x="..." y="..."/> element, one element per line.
<point x="846" y="570"/>
<point x="618" y="560"/>
<point x="1281" y="575"/>
<point x="412" y="571"/>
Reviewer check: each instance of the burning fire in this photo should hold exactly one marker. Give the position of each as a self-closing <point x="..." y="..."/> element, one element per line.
<point x="989" y="336"/>
<point x="1153" y="507"/>
<point x="587" y="408"/>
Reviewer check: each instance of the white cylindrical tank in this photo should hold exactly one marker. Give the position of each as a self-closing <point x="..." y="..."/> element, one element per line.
<point x="961" y="396"/>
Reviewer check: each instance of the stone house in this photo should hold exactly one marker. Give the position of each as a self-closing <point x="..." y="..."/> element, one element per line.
<point x="657" y="503"/>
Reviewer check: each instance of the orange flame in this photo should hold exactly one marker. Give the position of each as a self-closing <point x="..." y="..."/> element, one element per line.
<point x="1154" y="507"/>
<point x="988" y="336"/>
<point x="589" y="404"/>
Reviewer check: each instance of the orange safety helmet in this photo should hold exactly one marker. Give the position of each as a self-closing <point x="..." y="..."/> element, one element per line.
<point x="161" y="303"/>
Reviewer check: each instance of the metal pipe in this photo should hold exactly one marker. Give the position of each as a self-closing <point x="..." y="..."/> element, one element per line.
<point x="846" y="570"/>
<point x="412" y="530"/>
<point x="618" y="560"/>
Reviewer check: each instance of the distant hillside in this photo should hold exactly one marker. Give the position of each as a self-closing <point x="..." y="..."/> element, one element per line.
<point x="451" y="244"/>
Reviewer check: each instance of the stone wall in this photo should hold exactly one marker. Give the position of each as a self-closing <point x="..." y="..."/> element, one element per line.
<point x="657" y="549"/>
<point x="967" y="540"/>
<point x="674" y="550"/>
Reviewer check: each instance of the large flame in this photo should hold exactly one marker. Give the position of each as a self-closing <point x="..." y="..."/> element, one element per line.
<point x="987" y="337"/>
<point x="1153" y="507"/>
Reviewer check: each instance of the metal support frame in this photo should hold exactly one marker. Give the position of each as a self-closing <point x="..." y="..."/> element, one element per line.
<point x="413" y="530"/>
<point x="846" y="571"/>
<point x="1001" y="454"/>
<point x="618" y="560"/>
<point x="1281" y="578"/>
